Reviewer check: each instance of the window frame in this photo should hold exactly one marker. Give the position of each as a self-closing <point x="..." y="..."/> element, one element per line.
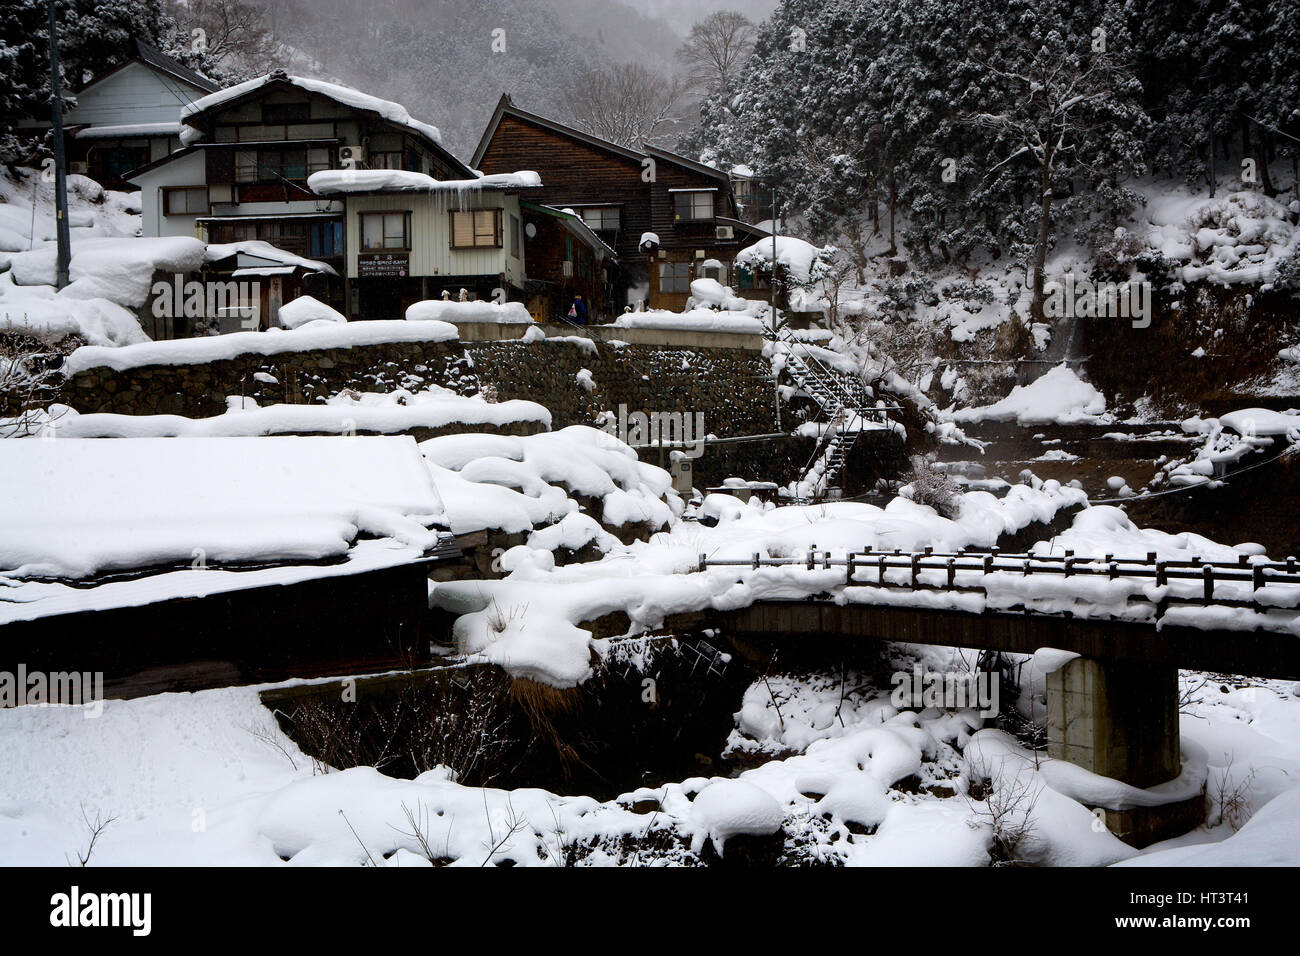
<point x="691" y="196"/>
<point x="603" y="212"/>
<point x="685" y="277"/>
<point x="170" y="191"/>
<point x="497" y="228"/>
<point x="384" y="215"/>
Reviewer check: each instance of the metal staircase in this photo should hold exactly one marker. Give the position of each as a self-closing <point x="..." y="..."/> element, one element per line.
<point x="844" y="400"/>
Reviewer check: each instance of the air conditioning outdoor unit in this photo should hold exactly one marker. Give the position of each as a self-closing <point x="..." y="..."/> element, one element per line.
<point x="352" y="157"/>
<point x="77" y="169"/>
<point x="726" y="232"/>
<point x="566" y="269"/>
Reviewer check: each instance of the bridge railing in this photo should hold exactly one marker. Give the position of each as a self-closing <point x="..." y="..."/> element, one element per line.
<point x="928" y="570"/>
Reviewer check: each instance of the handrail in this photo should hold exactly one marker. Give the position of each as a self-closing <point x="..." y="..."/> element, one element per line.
<point x="1259" y="574"/>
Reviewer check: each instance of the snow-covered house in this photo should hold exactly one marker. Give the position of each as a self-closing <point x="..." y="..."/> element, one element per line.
<point x="216" y="560"/>
<point x="127" y="117"/>
<point x="337" y="176"/>
<point x="670" y="219"/>
<point x="410" y="236"/>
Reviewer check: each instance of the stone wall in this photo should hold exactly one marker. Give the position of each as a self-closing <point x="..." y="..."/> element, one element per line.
<point x="731" y="387"/>
<point x="198" y="391"/>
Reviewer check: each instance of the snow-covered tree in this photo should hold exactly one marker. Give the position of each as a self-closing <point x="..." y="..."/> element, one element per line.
<point x="1066" y="105"/>
<point x="625" y="104"/>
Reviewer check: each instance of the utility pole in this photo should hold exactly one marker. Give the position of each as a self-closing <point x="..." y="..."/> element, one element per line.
<point x="776" y="323"/>
<point x="60" y="165"/>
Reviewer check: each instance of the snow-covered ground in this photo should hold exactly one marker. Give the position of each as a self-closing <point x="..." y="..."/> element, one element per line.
<point x="209" y="779"/>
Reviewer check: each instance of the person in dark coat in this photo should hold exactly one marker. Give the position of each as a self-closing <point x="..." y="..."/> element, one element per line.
<point x="578" y="311"/>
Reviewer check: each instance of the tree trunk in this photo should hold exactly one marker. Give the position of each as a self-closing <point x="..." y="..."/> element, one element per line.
<point x="1265" y="180"/>
<point x="1044" y="235"/>
<point x="893" y="197"/>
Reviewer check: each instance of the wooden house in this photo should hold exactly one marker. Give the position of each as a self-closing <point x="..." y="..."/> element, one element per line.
<point x="127" y="117"/>
<point x="670" y="220"/>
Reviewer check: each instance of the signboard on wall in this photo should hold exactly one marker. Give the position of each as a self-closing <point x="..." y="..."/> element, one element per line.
<point x="383" y="265"/>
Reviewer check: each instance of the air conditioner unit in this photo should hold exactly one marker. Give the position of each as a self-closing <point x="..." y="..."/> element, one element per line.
<point x="77" y="169"/>
<point x="566" y="269"/>
<point x="352" y="157"/>
<point x="726" y="232"/>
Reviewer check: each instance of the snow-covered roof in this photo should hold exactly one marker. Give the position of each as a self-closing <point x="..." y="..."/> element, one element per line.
<point x="331" y="182"/>
<point x="252" y="253"/>
<point x="128" y="130"/>
<point x="77" y="508"/>
<point x="393" y="112"/>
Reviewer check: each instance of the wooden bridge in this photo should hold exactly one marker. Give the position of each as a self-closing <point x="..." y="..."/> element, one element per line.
<point x="1113" y="709"/>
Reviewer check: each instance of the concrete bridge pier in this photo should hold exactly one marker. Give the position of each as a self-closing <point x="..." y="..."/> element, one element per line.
<point x="1119" y="719"/>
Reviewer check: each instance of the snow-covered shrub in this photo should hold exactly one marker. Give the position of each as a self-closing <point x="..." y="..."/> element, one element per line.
<point x="29" y="380"/>
<point x="930" y="486"/>
<point x="1116" y="253"/>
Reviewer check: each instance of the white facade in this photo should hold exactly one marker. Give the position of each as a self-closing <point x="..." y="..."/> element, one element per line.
<point x="185" y="171"/>
<point x="133" y="95"/>
<point x="431" y="253"/>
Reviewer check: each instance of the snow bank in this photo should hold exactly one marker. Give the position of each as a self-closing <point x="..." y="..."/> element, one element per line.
<point x="108" y="278"/>
<point x="306" y="309"/>
<point x="271" y="342"/>
<point x="713" y="293"/>
<point x="50" y="315"/>
<point x="76" y="508"/>
<point x="27" y="211"/>
<point x="345" y="414"/>
<point x="694" y="320"/>
<point x="728" y="808"/>
<point x="448" y="310"/>
<point x="1263" y="421"/>
<point x="649" y="581"/>
<point x="1240" y="237"/>
<point x="1059" y="397"/>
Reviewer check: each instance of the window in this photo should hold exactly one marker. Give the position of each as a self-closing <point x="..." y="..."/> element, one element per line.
<point x="674" y="277"/>
<point x="246" y="168"/>
<point x="277" y="165"/>
<point x="317" y="160"/>
<point x="476" y="229"/>
<point x="290" y="164"/>
<point x="514" y="237"/>
<point x="385" y="230"/>
<point x="326" y="239"/>
<point x="185" y="201"/>
<point x="601" y="218"/>
<point x="117" y="161"/>
<point x="748" y="280"/>
<point x="277" y="113"/>
<point x="693" y="205"/>
<point x="386" y="160"/>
